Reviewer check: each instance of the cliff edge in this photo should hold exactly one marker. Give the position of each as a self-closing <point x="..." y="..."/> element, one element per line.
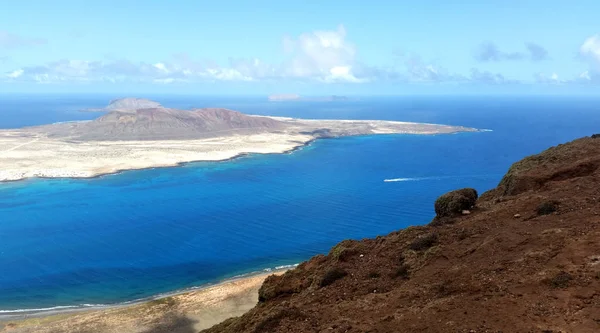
<point x="523" y="257"/>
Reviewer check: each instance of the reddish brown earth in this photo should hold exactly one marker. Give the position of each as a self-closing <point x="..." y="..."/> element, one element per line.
<point x="505" y="267"/>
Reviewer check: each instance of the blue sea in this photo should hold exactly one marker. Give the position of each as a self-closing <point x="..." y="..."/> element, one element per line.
<point x="123" y="237"/>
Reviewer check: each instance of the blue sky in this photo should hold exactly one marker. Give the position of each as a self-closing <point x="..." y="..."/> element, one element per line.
<point x="307" y="47"/>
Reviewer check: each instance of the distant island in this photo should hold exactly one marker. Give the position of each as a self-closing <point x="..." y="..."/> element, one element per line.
<point x="126" y="104"/>
<point x="296" y="97"/>
<point x="138" y="133"/>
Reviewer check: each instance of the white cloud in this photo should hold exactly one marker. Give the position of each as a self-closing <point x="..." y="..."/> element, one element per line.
<point x="320" y="56"/>
<point x="161" y="67"/>
<point x="325" y="55"/>
<point x="548" y="79"/>
<point x="226" y="74"/>
<point x="585" y="76"/>
<point x="15" y="74"/>
<point x="590" y="49"/>
<point x="342" y="74"/>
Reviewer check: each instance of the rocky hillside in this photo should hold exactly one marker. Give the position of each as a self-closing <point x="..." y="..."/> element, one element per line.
<point x="524" y="257"/>
<point x="164" y="123"/>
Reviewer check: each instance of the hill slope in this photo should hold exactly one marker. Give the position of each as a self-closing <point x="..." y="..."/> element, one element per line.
<point x="132" y="104"/>
<point x="526" y="258"/>
<point x="164" y="123"/>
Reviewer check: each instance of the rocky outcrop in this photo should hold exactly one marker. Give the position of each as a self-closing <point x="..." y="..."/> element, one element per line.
<point x="526" y="259"/>
<point x="577" y="159"/>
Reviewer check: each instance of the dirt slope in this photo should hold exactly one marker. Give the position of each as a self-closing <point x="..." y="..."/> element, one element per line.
<point x="526" y="259"/>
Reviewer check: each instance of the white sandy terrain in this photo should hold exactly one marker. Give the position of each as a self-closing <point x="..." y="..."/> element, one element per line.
<point x="27" y="153"/>
<point x="43" y="157"/>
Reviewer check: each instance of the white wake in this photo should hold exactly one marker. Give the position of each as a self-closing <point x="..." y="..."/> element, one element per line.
<point x="402" y="179"/>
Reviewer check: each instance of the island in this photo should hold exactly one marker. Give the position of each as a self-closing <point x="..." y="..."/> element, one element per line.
<point x="126" y="104"/>
<point x="284" y="97"/>
<point x="297" y="98"/>
<point x="138" y="134"/>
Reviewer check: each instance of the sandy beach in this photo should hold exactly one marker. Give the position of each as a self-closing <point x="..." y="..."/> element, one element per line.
<point x="182" y="313"/>
<point x="32" y="152"/>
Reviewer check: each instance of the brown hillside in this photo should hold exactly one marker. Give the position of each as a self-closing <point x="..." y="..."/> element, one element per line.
<point x="164" y="124"/>
<point x="526" y="259"/>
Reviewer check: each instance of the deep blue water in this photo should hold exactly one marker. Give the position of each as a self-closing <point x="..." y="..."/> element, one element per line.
<point x="139" y="233"/>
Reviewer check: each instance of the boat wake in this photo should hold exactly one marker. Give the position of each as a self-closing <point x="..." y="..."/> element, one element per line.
<point x="403" y="179"/>
<point x="414" y="179"/>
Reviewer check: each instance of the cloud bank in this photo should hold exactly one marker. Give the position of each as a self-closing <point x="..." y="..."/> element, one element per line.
<point x="325" y="56"/>
<point x="488" y="52"/>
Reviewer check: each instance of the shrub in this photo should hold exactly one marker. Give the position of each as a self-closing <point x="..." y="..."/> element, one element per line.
<point x="561" y="280"/>
<point x="547" y="207"/>
<point x="337" y="251"/>
<point x="343" y="250"/>
<point x="374" y="275"/>
<point x="403" y="271"/>
<point x="331" y="276"/>
<point x="292" y="282"/>
<point x="401" y="258"/>
<point x="269" y="289"/>
<point x="596" y="136"/>
<point x="424" y="242"/>
<point x="470" y="193"/>
<point x="454" y="202"/>
<point x="446" y="288"/>
<point x="167" y="301"/>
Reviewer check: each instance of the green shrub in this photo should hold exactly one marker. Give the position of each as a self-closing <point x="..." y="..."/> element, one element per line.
<point x="454" y="202"/>
<point x="424" y="242"/>
<point x="547" y="207"/>
<point x="343" y="250"/>
<point x="561" y="280"/>
<point x="403" y="271"/>
<point x="332" y="275"/>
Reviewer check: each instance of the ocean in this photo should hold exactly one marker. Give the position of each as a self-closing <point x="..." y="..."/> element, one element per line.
<point x="136" y="234"/>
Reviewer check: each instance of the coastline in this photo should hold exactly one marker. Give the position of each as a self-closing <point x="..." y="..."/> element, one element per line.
<point x="140" y="155"/>
<point x="177" y="164"/>
<point x="201" y="306"/>
<point x="45" y="158"/>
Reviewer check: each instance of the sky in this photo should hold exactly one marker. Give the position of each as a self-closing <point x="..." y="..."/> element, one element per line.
<point x="306" y="47"/>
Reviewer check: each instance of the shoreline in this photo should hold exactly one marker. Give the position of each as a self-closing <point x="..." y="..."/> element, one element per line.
<point x="204" y="305"/>
<point x="297" y="146"/>
<point x="178" y="164"/>
<point x="160" y="166"/>
<point x="20" y="314"/>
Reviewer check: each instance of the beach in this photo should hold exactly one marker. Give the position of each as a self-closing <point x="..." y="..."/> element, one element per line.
<point x="185" y="312"/>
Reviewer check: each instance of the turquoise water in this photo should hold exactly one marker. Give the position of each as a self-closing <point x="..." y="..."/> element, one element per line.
<point x="117" y="238"/>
